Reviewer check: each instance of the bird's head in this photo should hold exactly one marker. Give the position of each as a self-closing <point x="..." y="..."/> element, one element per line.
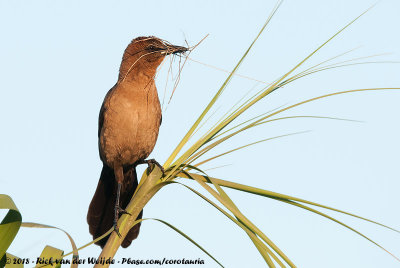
<point x="144" y="55"/>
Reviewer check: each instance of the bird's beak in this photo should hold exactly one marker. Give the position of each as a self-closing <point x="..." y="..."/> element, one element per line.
<point x="175" y="49"/>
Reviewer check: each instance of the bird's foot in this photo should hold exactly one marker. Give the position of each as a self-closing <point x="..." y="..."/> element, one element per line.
<point x="150" y="163"/>
<point x="122" y="211"/>
<point x="118" y="212"/>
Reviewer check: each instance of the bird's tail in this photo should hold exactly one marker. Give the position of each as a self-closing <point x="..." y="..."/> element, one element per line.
<point x="100" y="216"/>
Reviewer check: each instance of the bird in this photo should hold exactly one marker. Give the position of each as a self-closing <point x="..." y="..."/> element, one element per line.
<point x="128" y="126"/>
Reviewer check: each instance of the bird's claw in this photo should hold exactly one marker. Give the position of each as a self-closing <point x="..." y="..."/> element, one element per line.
<point x="118" y="212"/>
<point x="151" y="162"/>
<point x="116" y="229"/>
<point x="122" y="211"/>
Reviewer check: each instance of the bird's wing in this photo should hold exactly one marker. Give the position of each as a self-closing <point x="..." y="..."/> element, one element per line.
<point x="101" y="119"/>
<point x="102" y="110"/>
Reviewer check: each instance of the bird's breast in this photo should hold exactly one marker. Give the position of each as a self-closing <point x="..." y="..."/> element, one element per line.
<point x="130" y="127"/>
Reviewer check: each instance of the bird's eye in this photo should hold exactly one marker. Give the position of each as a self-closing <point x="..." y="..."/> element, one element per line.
<point x="152" y="48"/>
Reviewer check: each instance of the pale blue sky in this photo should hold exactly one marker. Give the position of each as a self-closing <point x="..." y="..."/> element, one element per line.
<point x="59" y="58"/>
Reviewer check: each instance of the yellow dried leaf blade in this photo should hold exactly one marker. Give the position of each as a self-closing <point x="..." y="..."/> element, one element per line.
<point x="71" y="240"/>
<point x="261" y="247"/>
<point x="50" y="257"/>
<point x="10" y="224"/>
<point x="11" y="261"/>
<point x="245" y="221"/>
<point x="341" y="223"/>
<point x="187" y="237"/>
<point x="214" y="99"/>
<point x="278" y="196"/>
<point x="267" y="91"/>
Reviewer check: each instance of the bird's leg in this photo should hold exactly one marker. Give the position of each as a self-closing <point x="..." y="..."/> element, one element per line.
<point x="151" y="162"/>
<point x="119" y="176"/>
<point x="120" y="211"/>
<point x="116" y="211"/>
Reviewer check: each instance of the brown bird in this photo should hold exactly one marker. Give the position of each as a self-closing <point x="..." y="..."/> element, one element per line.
<point x="129" y="120"/>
